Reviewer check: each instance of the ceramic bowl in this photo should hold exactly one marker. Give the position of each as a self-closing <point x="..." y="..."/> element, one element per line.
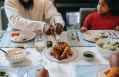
<point x="16" y="60"/>
<point x="89" y="58"/>
<point x="20" y="46"/>
<point x="104" y="52"/>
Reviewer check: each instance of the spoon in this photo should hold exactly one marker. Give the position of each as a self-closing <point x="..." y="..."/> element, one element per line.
<point x="3" y="50"/>
<point x="73" y="38"/>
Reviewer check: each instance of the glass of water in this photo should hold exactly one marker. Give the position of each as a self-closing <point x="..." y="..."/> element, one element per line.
<point x="40" y="46"/>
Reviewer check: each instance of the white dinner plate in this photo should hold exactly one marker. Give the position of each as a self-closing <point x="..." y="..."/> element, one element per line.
<point x="12" y="74"/>
<point x="89" y="32"/>
<point x="102" y="70"/>
<point x="73" y="56"/>
<point x="29" y="34"/>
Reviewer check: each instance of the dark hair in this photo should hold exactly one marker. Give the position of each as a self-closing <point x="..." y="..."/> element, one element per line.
<point x="27" y="5"/>
<point x="114" y="5"/>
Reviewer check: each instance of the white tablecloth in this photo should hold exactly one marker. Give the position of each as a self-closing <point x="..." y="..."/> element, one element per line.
<point x="58" y="69"/>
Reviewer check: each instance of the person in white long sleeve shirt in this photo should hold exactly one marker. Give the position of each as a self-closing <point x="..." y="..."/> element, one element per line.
<point x="27" y="15"/>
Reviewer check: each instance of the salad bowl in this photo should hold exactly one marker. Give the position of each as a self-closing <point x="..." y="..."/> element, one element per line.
<point x="107" y="46"/>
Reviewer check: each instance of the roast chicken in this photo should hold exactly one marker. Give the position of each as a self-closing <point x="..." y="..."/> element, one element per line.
<point x="62" y="51"/>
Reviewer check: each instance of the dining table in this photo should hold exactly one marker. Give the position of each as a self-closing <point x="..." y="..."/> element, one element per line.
<point x="78" y="67"/>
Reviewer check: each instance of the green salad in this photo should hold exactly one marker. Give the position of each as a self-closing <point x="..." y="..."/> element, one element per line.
<point x="110" y="45"/>
<point x="3" y="74"/>
<point x="102" y="35"/>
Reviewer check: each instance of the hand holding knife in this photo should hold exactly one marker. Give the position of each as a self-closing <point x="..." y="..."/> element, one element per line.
<point x="54" y="34"/>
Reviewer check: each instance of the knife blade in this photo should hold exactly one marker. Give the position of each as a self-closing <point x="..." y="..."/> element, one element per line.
<point x="77" y="36"/>
<point x="1" y="36"/>
<point x="115" y="35"/>
<point x="25" y="75"/>
<point x="53" y="33"/>
<point x="110" y="34"/>
<point x="54" y="38"/>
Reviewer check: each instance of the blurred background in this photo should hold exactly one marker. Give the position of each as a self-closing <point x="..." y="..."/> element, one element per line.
<point x="69" y="10"/>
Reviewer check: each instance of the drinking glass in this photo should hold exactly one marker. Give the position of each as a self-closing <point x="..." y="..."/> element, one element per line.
<point x="40" y="46"/>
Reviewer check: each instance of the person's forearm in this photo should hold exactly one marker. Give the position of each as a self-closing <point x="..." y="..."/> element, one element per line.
<point x="21" y="23"/>
<point x="114" y="72"/>
<point x="52" y="14"/>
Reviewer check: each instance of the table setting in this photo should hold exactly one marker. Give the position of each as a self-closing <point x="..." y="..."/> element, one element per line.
<point x="83" y="37"/>
<point x="84" y="58"/>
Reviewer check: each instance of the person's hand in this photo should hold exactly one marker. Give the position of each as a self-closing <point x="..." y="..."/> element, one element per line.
<point x="114" y="60"/>
<point x="58" y="29"/>
<point x="83" y="29"/>
<point x="42" y="72"/>
<point x="117" y="28"/>
<point x="47" y="29"/>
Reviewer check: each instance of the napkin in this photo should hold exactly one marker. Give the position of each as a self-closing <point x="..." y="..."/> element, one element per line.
<point x="60" y="69"/>
<point x="88" y="70"/>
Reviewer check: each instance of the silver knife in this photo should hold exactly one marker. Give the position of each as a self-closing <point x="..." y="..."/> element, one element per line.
<point x="110" y="34"/>
<point x="77" y="36"/>
<point x="1" y="36"/>
<point x="115" y="35"/>
<point x="25" y="75"/>
<point x="53" y="34"/>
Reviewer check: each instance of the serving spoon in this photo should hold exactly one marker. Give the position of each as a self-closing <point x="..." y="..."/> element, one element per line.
<point x="3" y="50"/>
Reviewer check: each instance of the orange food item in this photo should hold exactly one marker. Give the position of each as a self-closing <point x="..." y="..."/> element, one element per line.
<point x="15" y="34"/>
<point x="100" y="37"/>
<point x="96" y="38"/>
<point x="106" y="72"/>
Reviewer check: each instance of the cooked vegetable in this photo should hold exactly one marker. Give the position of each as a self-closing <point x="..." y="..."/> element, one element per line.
<point x="49" y="44"/>
<point x="15" y="34"/>
<point x="2" y="73"/>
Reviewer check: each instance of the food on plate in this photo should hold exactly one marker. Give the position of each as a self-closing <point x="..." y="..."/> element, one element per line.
<point x="4" y="74"/>
<point x="89" y="37"/>
<point x="17" y="37"/>
<point x="15" y="34"/>
<point x="101" y="35"/>
<point x="101" y="75"/>
<point x="110" y="45"/>
<point x="49" y="43"/>
<point x="106" y="72"/>
<point x="15" y="53"/>
<point x="62" y="51"/>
